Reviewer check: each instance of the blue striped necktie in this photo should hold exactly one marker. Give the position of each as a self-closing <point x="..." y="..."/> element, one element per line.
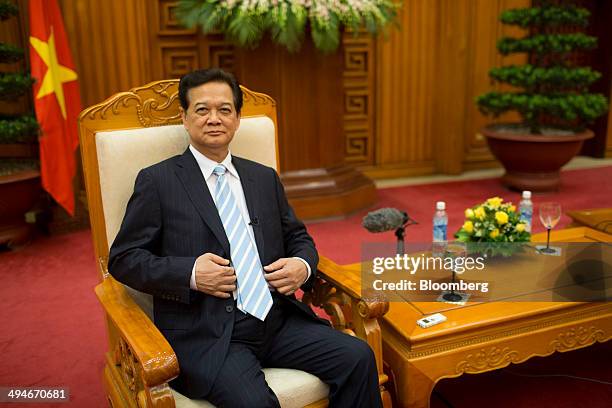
<point x="253" y="295"/>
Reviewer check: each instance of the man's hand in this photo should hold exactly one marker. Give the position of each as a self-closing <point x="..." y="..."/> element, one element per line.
<point x="213" y="276"/>
<point x="286" y="275"/>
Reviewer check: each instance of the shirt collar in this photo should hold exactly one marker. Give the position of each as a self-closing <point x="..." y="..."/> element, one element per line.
<point x="207" y="165"/>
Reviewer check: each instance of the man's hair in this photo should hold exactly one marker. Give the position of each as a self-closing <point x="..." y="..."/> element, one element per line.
<point x="203" y="76"/>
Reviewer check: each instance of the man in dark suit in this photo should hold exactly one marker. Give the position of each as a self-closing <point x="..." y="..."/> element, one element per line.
<point x="212" y="237"/>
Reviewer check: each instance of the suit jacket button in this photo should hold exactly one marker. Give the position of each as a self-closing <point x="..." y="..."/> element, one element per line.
<point x="229" y="308"/>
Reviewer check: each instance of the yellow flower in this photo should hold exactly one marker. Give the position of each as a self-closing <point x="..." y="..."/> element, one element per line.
<point x="494" y="234"/>
<point x="512" y="208"/>
<point x="479" y="213"/>
<point x="469" y="213"/>
<point x="494" y="202"/>
<point x="520" y="227"/>
<point x="468" y="227"/>
<point x="501" y="217"/>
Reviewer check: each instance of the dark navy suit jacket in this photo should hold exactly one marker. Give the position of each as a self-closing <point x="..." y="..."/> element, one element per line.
<point x="170" y="220"/>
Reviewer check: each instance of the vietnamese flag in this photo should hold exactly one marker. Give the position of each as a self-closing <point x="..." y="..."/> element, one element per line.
<point x="56" y="100"/>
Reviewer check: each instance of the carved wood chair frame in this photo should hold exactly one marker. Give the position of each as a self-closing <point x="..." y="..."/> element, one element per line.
<point x="140" y="362"/>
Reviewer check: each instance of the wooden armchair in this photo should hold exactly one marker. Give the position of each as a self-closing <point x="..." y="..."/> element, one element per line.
<point x="132" y="130"/>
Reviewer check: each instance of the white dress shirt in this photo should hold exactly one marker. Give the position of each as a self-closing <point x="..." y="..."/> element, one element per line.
<point x="206" y="167"/>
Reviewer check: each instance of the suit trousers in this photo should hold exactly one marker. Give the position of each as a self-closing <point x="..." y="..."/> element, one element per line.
<point x="290" y="339"/>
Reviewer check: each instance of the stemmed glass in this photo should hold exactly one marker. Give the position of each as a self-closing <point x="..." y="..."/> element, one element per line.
<point x="550" y="214"/>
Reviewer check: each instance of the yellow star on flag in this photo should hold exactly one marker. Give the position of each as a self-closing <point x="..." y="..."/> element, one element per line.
<point x="56" y="74"/>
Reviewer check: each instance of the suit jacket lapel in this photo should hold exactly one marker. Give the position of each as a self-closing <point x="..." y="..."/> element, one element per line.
<point x="251" y="194"/>
<point x="189" y="173"/>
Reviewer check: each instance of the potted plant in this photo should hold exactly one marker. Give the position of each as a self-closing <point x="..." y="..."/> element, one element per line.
<point x="246" y="21"/>
<point x="550" y="94"/>
<point x="19" y="175"/>
<point x="493" y="228"/>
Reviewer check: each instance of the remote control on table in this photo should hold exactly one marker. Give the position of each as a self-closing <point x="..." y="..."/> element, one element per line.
<point x="429" y="321"/>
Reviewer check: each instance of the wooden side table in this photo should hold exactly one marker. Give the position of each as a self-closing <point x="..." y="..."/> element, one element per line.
<point x="482" y="337"/>
<point x="598" y="218"/>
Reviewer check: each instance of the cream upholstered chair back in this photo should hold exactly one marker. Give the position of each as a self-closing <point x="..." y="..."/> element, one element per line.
<point x="141" y="127"/>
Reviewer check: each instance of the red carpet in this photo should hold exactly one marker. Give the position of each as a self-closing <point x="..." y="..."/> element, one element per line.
<point x="341" y="240"/>
<point x="52" y="325"/>
<point x="53" y="330"/>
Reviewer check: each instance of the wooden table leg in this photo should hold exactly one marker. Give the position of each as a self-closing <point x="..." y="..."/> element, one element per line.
<point x="417" y="387"/>
<point x="412" y="387"/>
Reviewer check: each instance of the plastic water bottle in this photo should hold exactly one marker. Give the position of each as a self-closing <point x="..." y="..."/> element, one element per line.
<point x="440" y="224"/>
<point x="526" y="210"/>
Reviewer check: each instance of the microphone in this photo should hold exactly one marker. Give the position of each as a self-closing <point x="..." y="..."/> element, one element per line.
<point x="254" y="221"/>
<point x="385" y="219"/>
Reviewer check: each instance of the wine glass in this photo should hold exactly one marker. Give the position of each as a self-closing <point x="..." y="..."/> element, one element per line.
<point x="550" y="214"/>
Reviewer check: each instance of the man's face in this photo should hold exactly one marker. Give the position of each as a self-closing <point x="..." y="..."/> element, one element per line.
<point x="211" y="118"/>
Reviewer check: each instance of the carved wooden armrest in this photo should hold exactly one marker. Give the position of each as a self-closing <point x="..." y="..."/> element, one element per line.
<point x="348" y="310"/>
<point x="140" y="358"/>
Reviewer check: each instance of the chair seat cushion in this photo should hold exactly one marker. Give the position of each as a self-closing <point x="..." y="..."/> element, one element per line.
<point x="294" y="389"/>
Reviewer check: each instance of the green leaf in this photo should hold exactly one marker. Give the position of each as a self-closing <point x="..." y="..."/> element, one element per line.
<point x="553" y="78"/>
<point x="10" y="53"/>
<point x="20" y="129"/>
<point x="7" y="10"/>
<point x="246" y="29"/>
<point x="567" y="107"/>
<point x="552" y="16"/>
<point x="547" y="43"/>
<point x="12" y="166"/>
<point x="13" y="85"/>
<point x="326" y="37"/>
<point x="291" y="33"/>
<point x="286" y="21"/>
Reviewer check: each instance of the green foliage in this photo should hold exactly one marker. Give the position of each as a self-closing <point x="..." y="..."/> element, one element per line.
<point x="7" y="10"/>
<point x="246" y="21"/>
<point x="569" y="107"/>
<point x="550" y="87"/>
<point x="289" y="27"/>
<point x="15" y="129"/>
<point x="547" y="43"/>
<point x="19" y="129"/>
<point x="533" y="77"/>
<point x="12" y="166"/>
<point x="13" y="85"/>
<point x="9" y="53"/>
<point x="546" y="16"/>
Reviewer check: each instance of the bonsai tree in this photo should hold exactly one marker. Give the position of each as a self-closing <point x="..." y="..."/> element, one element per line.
<point x="246" y="21"/>
<point x="14" y="128"/>
<point x="549" y="88"/>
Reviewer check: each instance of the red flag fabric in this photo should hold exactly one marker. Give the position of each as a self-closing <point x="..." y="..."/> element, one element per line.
<point x="56" y="100"/>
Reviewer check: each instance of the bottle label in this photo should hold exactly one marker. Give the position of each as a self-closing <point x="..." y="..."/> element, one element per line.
<point x="526" y="216"/>
<point x="439" y="232"/>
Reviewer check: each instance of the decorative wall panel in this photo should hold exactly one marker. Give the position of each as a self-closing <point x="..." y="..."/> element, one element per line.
<point x="405" y="86"/>
<point x="168" y="24"/>
<point x="359" y="96"/>
<point x="482" y="56"/>
<point x="110" y="45"/>
<point x="428" y="73"/>
<point x="219" y="52"/>
<point x="178" y="59"/>
<point x="177" y="50"/>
